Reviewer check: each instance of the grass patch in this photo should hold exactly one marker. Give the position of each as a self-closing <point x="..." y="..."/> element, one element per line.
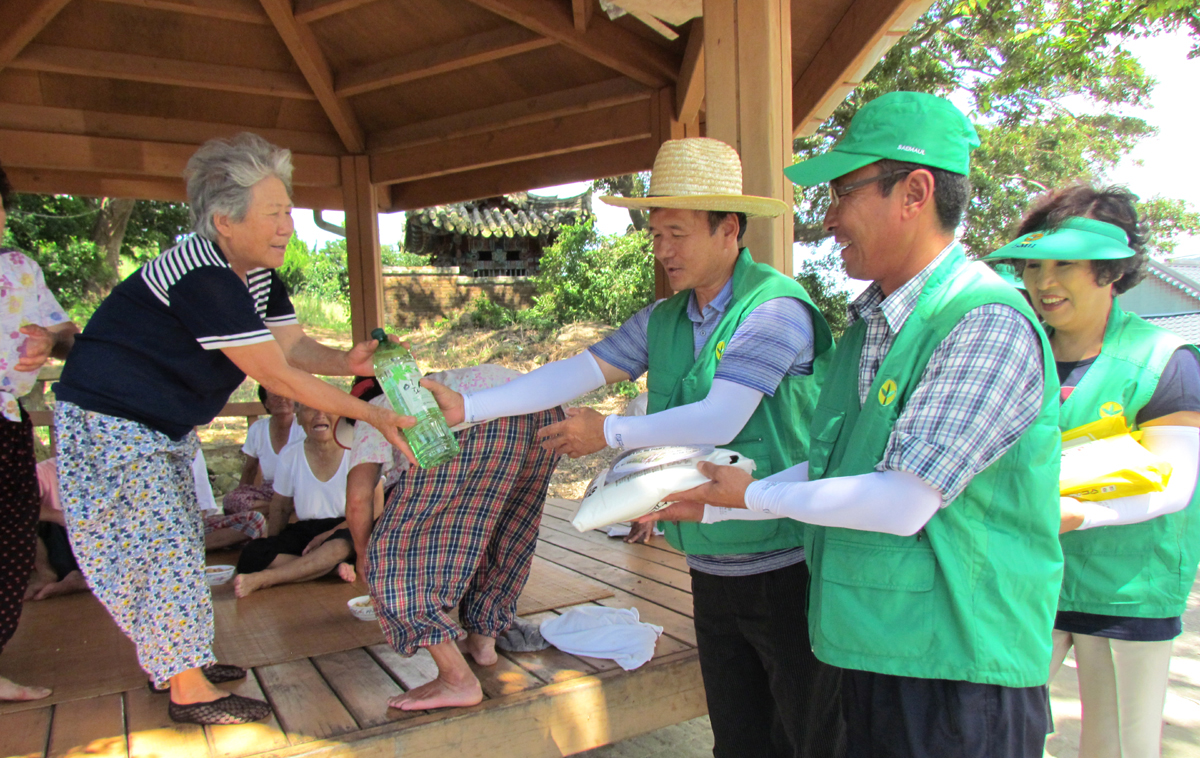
<point x="324" y="314"/>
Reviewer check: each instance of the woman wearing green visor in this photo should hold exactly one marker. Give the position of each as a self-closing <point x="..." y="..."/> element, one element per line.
<point x="1129" y="562"/>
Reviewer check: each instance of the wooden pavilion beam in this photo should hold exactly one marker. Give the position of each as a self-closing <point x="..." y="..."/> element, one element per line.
<point x="582" y="11"/>
<point x="307" y="53"/>
<point x="70" y="152"/>
<point x="245" y="11"/>
<point x="308" y="11"/>
<point x="42" y="118"/>
<point x="867" y="31"/>
<point x="363" y="263"/>
<point x="604" y="42"/>
<point x="583" y="165"/>
<point x="589" y="97"/>
<point x="689" y="92"/>
<point x="452" y="56"/>
<point x="109" y="184"/>
<point x="141" y="68"/>
<point x="25" y="21"/>
<point x="623" y="123"/>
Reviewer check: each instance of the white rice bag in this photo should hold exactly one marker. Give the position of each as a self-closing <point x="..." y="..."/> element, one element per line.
<point x="636" y="482"/>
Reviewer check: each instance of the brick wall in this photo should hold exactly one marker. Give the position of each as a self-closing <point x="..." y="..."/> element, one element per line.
<point x="414" y="296"/>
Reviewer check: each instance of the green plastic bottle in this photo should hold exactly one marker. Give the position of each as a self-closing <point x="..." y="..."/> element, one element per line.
<point x="431" y="439"/>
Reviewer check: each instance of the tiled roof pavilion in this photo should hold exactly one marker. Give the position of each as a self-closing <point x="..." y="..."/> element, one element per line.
<point x="403" y="104"/>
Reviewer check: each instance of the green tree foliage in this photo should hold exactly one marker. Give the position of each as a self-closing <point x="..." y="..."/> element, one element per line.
<point x="821" y="277"/>
<point x="1016" y="64"/>
<point x="588" y="276"/>
<point x="322" y="273"/>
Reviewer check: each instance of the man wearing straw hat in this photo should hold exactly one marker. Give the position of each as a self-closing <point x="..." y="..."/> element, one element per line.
<point x="733" y="359"/>
<point x="932" y="480"/>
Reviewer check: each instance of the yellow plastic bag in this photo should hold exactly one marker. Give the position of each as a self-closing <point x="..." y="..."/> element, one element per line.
<point x="1104" y="460"/>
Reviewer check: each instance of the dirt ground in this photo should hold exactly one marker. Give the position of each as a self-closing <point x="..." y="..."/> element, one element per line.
<point x="437" y="348"/>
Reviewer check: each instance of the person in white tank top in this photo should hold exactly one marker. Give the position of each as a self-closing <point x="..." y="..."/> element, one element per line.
<point x="310" y="482"/>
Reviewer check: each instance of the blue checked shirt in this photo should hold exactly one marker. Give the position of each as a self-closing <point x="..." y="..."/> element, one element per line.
<point x="773" y="341"/>
<point x="982" y="388"/>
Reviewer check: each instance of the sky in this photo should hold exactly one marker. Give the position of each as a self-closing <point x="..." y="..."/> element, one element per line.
<point x="1167" y="164"/>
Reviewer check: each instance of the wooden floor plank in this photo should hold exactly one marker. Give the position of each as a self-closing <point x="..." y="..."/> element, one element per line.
<point x="503" y="677"/>
<point x="362" y="685"/>
<point x="94" y="728"/>
<point x="152" y="733"/>
<point x="615" y="556"/>
<point x="550" y="665"/>
<point x="23" y="734"/>
<point x="307" y="708"/>
<point x="656" y="550"/>
<point x="618" y="578"/>
<point x="237" y="740"/>
<point x="410" y="672"/>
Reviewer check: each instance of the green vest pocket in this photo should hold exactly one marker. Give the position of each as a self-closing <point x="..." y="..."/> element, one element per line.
<point x="878" y="599"/>
<point x="823" y="431"/>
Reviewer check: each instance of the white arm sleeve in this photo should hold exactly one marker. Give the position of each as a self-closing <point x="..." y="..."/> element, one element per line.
<point x="1180" y="446"/>
<point x="892" y="502"/>
<point x="544" y="387"/>
<point x="715" y="420"/>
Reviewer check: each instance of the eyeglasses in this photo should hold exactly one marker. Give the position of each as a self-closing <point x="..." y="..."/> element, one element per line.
<point x="836" y="194"/>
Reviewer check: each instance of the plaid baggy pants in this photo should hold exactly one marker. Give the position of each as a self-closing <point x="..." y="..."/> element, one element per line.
<point x="462" y="534"/>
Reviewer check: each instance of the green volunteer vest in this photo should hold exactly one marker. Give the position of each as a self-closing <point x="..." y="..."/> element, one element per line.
<point x="972" y="596"/>
<point x="1141" y="570"/>
<point x="776" y="436"/>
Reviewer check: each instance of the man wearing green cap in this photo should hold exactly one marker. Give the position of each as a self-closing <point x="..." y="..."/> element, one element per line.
<point x="932" y="479"/>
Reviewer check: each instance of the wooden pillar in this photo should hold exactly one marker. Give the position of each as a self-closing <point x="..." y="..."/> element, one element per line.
<point x="362" y="247"/>
<point x="748" y="103"/>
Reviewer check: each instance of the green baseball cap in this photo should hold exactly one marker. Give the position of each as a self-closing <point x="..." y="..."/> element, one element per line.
<point x="1075" y="239"/>
<point x="902" y="126"/>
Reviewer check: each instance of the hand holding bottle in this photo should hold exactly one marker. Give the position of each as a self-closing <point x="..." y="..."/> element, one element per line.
<point x="450" y="402"/>
<point x="389" y="423"/>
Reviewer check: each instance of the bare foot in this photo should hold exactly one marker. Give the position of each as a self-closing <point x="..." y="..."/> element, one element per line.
<point x="439" y="693"/>
<point x="72" y="582"/>
<point x="10" y="690"/>
<point x="479" y="647"/>
<point x="244" y="584"/>
<point x="346" y="572"/>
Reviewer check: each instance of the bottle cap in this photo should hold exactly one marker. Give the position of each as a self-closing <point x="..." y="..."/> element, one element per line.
<point x="379" y="334"/>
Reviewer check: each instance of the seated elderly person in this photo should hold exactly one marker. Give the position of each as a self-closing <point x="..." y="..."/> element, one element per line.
<point x="462" y="534"/>
<point x="265" y="440"/>
<point x="311" y="483"/>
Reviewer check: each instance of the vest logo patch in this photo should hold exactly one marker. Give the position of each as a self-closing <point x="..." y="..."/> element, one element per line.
<point x="1111" y="408"/>
<point x="887" y="393"/>
<point x="1030" y="239"/>
<point x="720" y="349"/>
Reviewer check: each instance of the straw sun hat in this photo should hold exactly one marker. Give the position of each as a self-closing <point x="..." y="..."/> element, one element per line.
<point x="699" y="174"/>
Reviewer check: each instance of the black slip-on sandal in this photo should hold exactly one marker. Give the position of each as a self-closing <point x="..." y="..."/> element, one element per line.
<point x="216" y="673"/>
<point x="231" y="709"/>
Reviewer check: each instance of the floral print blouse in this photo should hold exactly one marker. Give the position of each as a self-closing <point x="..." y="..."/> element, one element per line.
<point x="24" y="299"/>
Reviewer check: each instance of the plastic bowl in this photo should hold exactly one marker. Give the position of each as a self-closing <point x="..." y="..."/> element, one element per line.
<point x="218" y="574"/>
<point x="361" y="608"/>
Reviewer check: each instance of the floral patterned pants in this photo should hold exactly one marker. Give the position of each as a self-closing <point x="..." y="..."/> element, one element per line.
<point x="128" y="496"/>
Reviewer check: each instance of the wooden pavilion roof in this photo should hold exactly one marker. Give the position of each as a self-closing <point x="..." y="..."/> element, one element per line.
<point x="449" y="99"/>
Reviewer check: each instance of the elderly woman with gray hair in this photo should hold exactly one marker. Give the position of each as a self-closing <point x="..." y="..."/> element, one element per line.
<point x="161" y="355"/>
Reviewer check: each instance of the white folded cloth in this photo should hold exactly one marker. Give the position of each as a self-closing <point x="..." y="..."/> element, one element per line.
<point x="600" y="632"/>
<point x="623" y="530"/>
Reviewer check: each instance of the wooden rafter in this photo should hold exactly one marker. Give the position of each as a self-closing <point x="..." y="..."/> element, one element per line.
<point x="245" y="11"/>
<point x="308" y="11"/>
<point x="589" y="97"/>
<point x="25" y="22"/>
<point x="604" y="42"/>
<point x="623" y="123"/>
<point x="307" y="53"/>
<point x="141" y="68"/>
<point x="867" y="30"/>
<point x="689" y="92"/>
<point x="153" y="128"/>
<point x="582" y="165"/>
<point x="582" y="11"/>
<point x="472" y="51"/>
